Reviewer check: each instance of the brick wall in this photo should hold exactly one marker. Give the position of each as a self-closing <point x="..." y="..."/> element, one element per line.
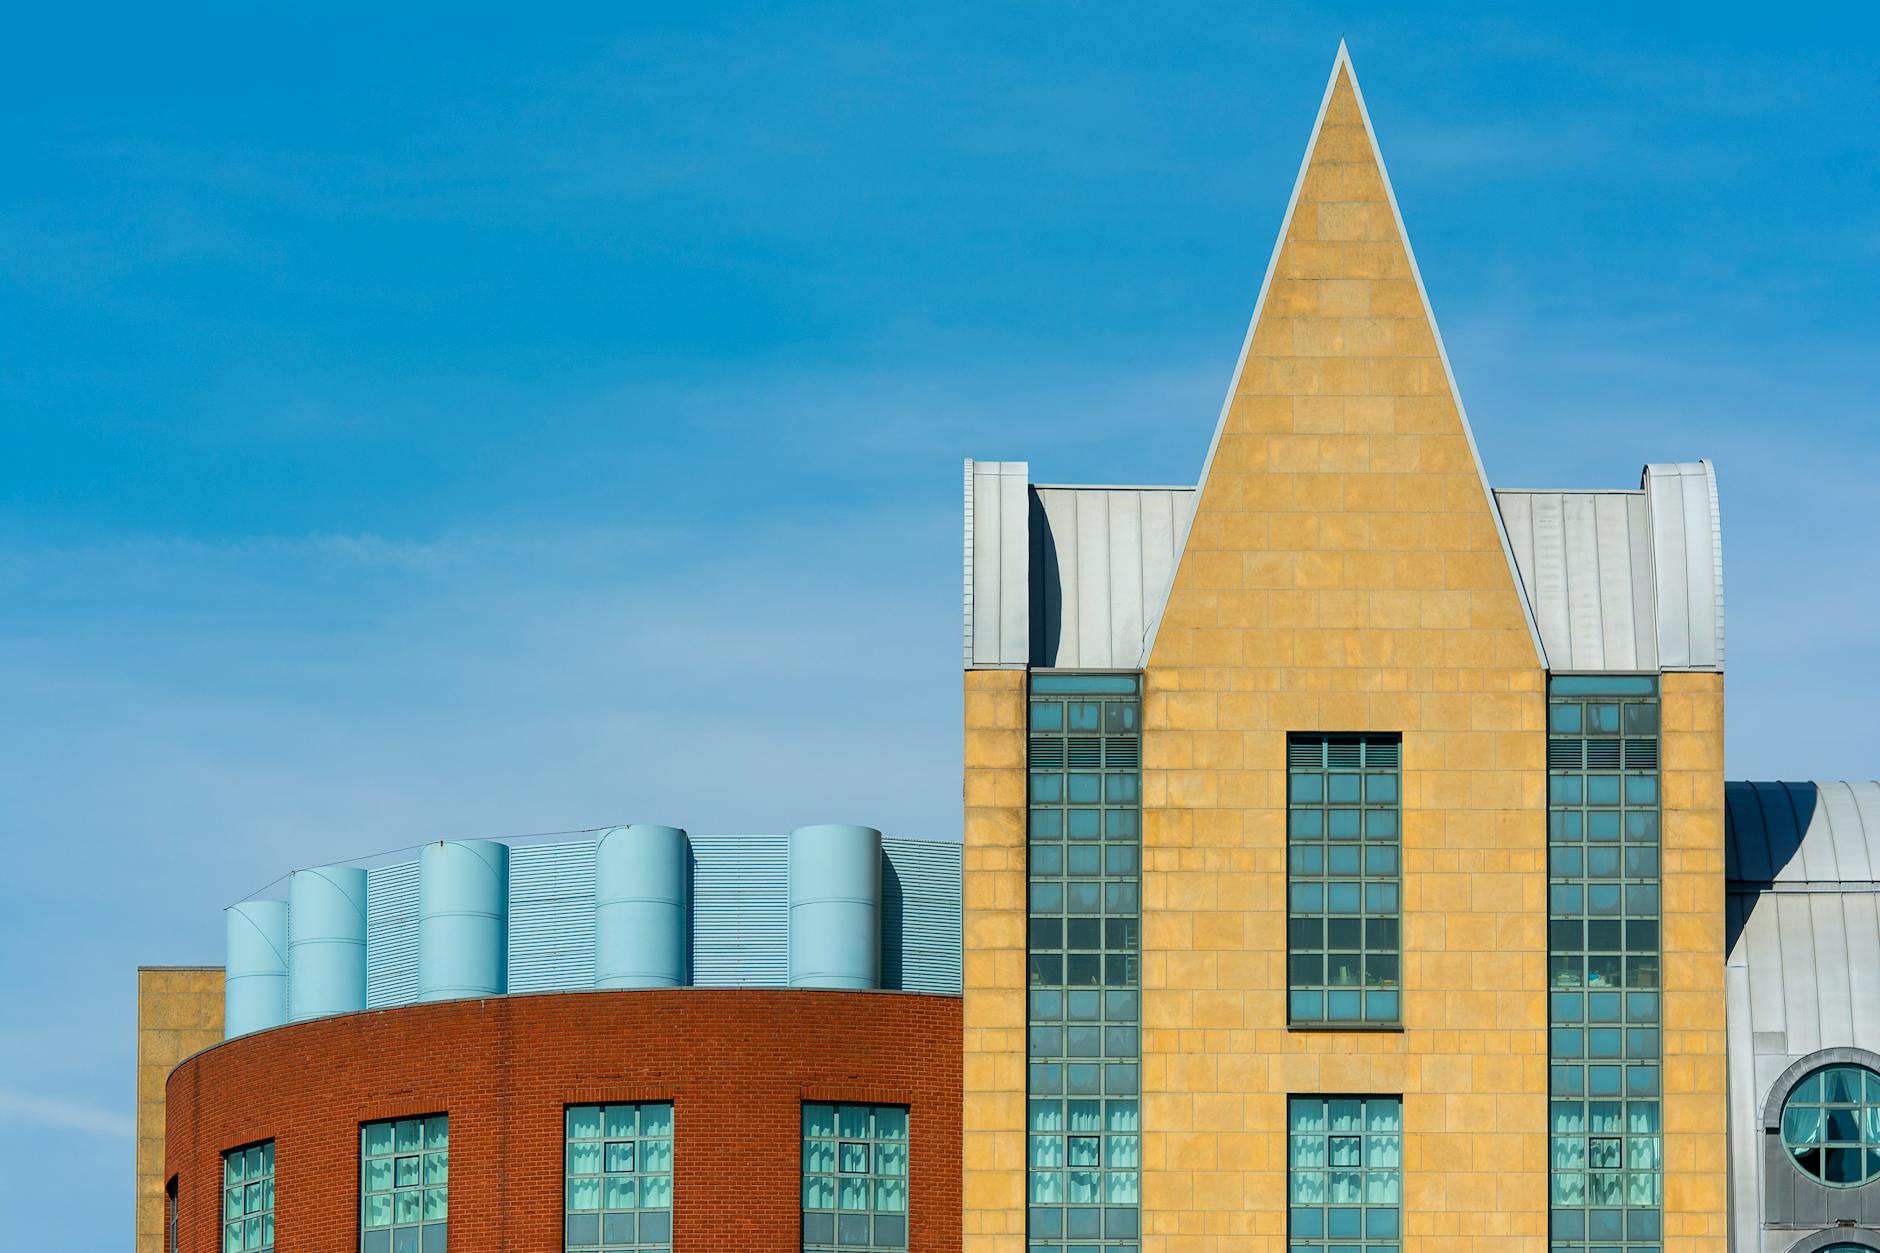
<point x="736" y="1063"/>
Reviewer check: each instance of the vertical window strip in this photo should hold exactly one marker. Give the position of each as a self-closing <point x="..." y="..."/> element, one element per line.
<point x="619" y="1178"/>
<point x="1606" y="1163"/>
<point x="1344" y="1174"/>
<point x="1083" y="949"/>
<point x="855" y="1192"/>
<point x="247" y="1199"/>
<point x="174" y="1201"/>
<point x="404" y="1168"/>
<point x="1344" y="854"/>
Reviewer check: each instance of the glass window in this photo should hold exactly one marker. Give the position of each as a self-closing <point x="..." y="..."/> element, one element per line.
<point x="619" y="1178"/>
<point x="404" y="1183"/>
<point x="1083" y="951"/>
<point x="247" y="1199"/>
<point x="1345" y="1174"/>
<point x="854" y="1177"/>
<point x="1831" y="1125"/>
<point x="1605" y="1165"/>
<point x="171" y="1226"/>
<point x="1344" y="849"/>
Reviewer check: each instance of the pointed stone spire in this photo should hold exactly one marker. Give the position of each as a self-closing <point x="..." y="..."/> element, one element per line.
<point x="1342" y="462"/>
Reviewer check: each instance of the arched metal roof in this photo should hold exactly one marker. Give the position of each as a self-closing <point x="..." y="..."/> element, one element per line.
<point x="1802" y="928"/>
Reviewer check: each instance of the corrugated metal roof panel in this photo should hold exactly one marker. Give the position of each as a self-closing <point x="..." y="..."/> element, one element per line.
<point x="1585" y="564"/>
<point x="921" y="916"/>
<point x="551" y="916"/>
<point x="391" y="934"/>
<point x="740" y="911"/>
<point x="1102" y="559"/>
<point x="998" y="577"/>
<point x="1687" y="565"/>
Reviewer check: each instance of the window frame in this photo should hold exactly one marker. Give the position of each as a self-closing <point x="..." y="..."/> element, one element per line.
<point x="638" y="1174"/>
<point x="1324" y="1240"/>
<point x="424" y="1153"/>
<point x="1364" y="879"/>
<point x="872" y="1144"/>
<point x="265" y="1214"/>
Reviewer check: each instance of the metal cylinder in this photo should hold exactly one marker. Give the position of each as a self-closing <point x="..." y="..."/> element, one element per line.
<point x="835" y="907"/>
<point x="326" y="942"/>
<point x="254" y="972"/>
<point x="640" y="875"/>
<point x="463" y="919"/>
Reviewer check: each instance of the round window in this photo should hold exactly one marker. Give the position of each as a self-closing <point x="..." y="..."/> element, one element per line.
<point x="1831" y="1125"/>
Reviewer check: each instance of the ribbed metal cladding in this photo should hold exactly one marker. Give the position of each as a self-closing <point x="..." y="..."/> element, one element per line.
<point x="921" y="924"/>
<point x="739" y="917"/>
<point x="740" y="912"/>
<point x="551" y="916"/>
<point x="392" y="935"/>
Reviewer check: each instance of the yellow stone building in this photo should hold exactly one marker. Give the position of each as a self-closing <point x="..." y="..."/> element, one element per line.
<point x="1344" y="861"/>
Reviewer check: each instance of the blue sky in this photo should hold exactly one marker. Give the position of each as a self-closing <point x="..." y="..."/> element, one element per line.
<point x="444" y="423"/>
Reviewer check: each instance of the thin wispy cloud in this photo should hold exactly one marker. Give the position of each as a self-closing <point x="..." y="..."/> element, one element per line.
<point x="63" y="1113"/>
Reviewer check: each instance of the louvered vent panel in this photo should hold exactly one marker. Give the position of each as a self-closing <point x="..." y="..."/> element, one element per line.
<point x="1123" y="753"/>
<point x="391" y="935"/>
<point x="920" y="937"/>
<point x="1344" y="754"/>
<point x="1086" y="753"/>
<point x="1602" y="754"/>
<point x="1641" y="754"/>
<point x="551" y="916"/>
<point x="1382" y="753"/>
<point x="1564" y="754"/>
<point x="1305" y="753"/>
<point x="740" y="911"/>
<point x="1047" y="752"/>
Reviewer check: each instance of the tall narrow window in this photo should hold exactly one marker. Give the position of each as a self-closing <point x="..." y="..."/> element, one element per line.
<point x="170" y="1202"/>
<point x="1083" y="1117"/>
<point x="247" y="1199"/>
<point x="1607" y="1155"/>
<point x="619" y="1166"/>
<point x="1345" y="1174"/>
<point x="404" y="1177"/>
<point x="1343" y="870"/>
<point x="854" y="1178"/>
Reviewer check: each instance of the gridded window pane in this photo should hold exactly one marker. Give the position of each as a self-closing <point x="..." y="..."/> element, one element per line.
<point x="1343" y="879"/>
<point x="1344" y="1173"/>
<point x="1831" y="1125"/>
<point x="1606" y="1167"/>
<point x="618" y="1188"/>
<point x="1083" y="953"/>
<point x="855" y="1183"/>
<point x="404" y="1177"/>
<point x="247" y="1199"/>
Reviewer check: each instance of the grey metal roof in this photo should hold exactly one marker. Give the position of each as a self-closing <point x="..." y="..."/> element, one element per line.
<point x="998" y="565"/>
<point x="1586" y="564"/>
<point x="1802" y="925"/>
<point x="1102" y="562"/>
<point x="1624" y="580"/>
<point x="1065" y="576"/>
<point x="1075" y="576"/>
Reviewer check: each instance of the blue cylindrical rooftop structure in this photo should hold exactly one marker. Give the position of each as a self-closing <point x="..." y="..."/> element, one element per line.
<point x="640" y="907"/>
<point x="326" y="942"/>
<point x="835" y="907"/>
<point x="254" y="972"/>
<point x="463" y="919"/>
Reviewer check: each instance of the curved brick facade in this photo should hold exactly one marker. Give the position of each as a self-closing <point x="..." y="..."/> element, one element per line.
<point x="735" y="1063"/>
